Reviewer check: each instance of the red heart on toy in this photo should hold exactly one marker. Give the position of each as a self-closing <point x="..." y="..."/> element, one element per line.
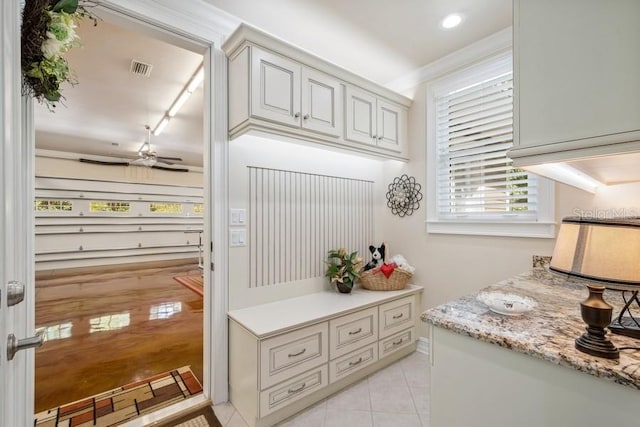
<point x="387" y="269"/>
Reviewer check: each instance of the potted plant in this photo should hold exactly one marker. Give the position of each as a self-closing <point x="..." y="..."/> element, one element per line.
<point x="343" y="268"/>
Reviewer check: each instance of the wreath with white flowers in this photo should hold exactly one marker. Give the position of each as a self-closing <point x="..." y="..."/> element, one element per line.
<point x="48" y="32"/>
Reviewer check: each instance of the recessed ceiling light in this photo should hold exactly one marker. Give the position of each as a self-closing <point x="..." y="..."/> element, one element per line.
<point x="451" y="21"/>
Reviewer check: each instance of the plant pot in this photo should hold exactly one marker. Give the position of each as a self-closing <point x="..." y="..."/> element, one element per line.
<point x="344" y="288"/>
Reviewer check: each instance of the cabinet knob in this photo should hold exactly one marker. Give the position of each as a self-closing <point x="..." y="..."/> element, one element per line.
<point x="305" y="117"/>
<point x="296" y="115"/>
<point x="380" y="138"/>
<point x="375" y="137"/>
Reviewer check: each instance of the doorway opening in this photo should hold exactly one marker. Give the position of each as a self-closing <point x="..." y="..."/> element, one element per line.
<point x="119" y="233"/>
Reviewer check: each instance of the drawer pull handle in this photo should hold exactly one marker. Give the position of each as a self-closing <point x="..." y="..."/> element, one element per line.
<point x="298" y="353"/>
<point x="398" y="316"/>
<point x="357" y="362"/>
<point x="400" y="341"/>
<point x="357" y="331"/>
<point x="298" y="389"/>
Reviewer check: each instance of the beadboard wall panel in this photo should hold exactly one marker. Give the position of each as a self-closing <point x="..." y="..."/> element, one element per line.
<point x="295" y="218"/>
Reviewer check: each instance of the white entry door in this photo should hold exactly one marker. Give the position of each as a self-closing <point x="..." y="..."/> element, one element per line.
<point x="16" y="228"/>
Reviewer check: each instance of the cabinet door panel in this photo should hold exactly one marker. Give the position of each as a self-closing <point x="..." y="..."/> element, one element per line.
<point x="321" y="103"/>
<point x="577" y="79"/>
<point x="390" y="125"/>
<point x="275" y="88"/>
<point x="361" y="116"/>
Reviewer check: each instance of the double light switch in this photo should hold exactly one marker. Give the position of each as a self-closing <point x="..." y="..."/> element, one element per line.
<point x="238" y="232"/>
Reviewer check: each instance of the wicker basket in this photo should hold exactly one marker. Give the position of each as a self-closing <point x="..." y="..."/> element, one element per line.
<point x="375" y="280"/>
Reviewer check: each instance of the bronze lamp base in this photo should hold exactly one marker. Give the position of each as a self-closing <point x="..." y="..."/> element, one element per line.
<point x="596" y="313"/>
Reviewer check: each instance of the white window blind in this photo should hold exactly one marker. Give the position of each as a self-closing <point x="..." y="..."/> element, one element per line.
<point x="473" y="186"/>
<point x="475" y="177"/>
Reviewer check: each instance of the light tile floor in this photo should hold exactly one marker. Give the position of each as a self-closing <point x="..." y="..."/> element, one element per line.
<point x="396" y="396"/>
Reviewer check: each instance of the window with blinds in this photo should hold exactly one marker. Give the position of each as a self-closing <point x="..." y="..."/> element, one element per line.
<point x="473" y="186"/>
<point x="475" y="176"/>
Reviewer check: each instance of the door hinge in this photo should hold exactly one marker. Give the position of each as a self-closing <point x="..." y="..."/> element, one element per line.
<point x="211" y="243"/>
<point x="15" y="293"/>
<point x="213" y="268"/>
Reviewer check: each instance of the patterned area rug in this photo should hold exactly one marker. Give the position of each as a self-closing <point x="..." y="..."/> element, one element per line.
<point x="194" y="283"/>
<point x="124" y="403"/>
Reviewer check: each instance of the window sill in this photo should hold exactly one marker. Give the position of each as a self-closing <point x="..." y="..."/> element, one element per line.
<point x="545" y="230"/>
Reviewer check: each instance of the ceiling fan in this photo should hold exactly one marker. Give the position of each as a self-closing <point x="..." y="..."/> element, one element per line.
<point x="146" y="157"/>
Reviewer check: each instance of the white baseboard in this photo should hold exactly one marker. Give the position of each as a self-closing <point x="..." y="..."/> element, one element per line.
<point x="423" y="345"/>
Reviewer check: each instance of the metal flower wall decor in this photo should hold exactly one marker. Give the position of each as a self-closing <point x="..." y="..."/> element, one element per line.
<point x="404" y="195"/>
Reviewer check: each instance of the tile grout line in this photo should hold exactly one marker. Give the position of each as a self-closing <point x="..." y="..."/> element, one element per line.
<point x="413" y="401"/>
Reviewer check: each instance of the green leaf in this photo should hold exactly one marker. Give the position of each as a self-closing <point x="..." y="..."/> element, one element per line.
<point x="52" y="97"/>
<point x="67" y="6"/>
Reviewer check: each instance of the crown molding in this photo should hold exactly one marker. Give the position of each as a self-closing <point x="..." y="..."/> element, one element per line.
<point x="494" y="44"/>
<point x="205" y="21"/>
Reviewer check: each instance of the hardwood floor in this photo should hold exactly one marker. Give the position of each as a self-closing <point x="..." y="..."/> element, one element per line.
<point x="107" y="329"/>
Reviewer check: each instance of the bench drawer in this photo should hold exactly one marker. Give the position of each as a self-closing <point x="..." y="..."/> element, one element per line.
<point x="396" y="342"/>
<point x="352" y="331"/>
<point x="352" y="362"/>
<point x="296" y="388"/>
<point x="396" y="316"/>
<point x="292" y="353"/>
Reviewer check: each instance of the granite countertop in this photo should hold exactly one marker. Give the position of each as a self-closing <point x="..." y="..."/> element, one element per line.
<point x="548" y="332"/>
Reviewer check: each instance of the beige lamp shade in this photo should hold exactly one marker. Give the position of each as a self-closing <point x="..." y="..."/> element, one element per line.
<point x="602" y="250"/>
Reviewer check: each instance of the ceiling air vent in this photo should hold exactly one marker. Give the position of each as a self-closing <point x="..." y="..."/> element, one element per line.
<point x="140" y="68"/>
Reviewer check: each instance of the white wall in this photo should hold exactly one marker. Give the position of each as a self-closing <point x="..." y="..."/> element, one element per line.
<point x="450" y="266"/>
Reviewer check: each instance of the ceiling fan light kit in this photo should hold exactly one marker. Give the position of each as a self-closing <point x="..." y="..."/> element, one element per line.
<point x="146" y="158"/>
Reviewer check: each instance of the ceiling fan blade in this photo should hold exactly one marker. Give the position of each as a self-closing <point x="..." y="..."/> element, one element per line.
<point x="170" y="169"/>
<point x="177" y="159"/>
<point x="101" y="162"/>
<point x="144" y="161"/>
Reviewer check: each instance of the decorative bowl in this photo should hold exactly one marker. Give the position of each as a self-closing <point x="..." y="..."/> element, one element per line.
<point x="506" y="303"/>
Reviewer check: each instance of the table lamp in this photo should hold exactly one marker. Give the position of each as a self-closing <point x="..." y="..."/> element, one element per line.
<point x="606" y="253"/>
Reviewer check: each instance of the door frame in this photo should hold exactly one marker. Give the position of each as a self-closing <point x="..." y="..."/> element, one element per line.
<point x="206" y="25"/>
<point x="195" y="20"/>
<point x="16" y="228"/>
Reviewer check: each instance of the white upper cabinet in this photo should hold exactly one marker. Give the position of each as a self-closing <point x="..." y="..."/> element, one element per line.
<point x="279" y="89"/>
<point x="361" y="116"/>
<point x="374" y="121"/>
<point x="577" y="77"/>
<point x="321" y="103"/>
<point x="391" y="125"/>
<point x="275" y="88"/>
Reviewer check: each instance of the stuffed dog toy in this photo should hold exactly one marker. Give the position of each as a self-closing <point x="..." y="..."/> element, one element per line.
<point x="377" y="257"/>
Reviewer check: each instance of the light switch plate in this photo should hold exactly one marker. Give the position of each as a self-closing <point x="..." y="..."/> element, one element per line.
<point x="238" y="237"/>
<point x="238" y="217"/>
